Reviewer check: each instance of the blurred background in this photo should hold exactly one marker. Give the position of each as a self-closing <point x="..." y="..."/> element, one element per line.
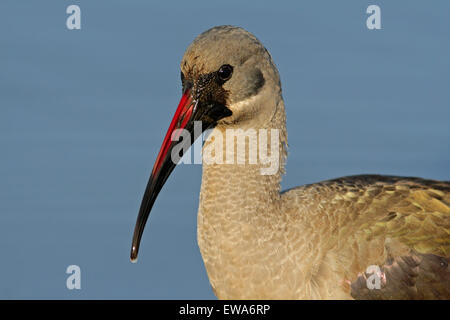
<point x="83" y="114"/>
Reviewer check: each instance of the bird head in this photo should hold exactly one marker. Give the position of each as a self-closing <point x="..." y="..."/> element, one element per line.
<point x="228" y="79"/>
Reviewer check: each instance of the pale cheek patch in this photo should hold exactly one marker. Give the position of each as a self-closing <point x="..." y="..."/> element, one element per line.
<point x="250" y="85"/>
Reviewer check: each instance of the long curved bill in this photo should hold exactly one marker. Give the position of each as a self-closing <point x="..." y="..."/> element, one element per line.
<point x="183" y="119"/>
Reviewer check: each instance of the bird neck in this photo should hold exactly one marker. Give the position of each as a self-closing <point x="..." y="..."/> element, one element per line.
<point x="239" y="206"/>
<point x="244" y="187"/>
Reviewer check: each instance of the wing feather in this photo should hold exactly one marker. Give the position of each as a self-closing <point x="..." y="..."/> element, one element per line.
<point x="400" y="224"/>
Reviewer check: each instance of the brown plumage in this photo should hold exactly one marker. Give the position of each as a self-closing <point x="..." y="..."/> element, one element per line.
<point x="399" y="224"/>
<point x="310" y="242"/>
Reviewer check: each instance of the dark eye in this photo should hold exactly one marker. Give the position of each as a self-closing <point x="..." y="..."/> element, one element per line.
<point x="182" y="76"/>
<point x="225" y="72"/>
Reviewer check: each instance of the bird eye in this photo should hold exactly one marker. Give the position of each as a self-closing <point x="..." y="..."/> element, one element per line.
<point x="182" y="76"/>
<point x="225" y="72"/>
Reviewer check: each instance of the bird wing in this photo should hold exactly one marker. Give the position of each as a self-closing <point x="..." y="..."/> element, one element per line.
<point x="387" y="237"/>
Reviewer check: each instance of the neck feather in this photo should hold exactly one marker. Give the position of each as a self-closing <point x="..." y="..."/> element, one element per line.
<point x="236" y="187"/>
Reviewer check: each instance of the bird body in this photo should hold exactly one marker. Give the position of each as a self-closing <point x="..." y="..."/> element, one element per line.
<point x="316" y="241"/>
<point x="311" y="242"/>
